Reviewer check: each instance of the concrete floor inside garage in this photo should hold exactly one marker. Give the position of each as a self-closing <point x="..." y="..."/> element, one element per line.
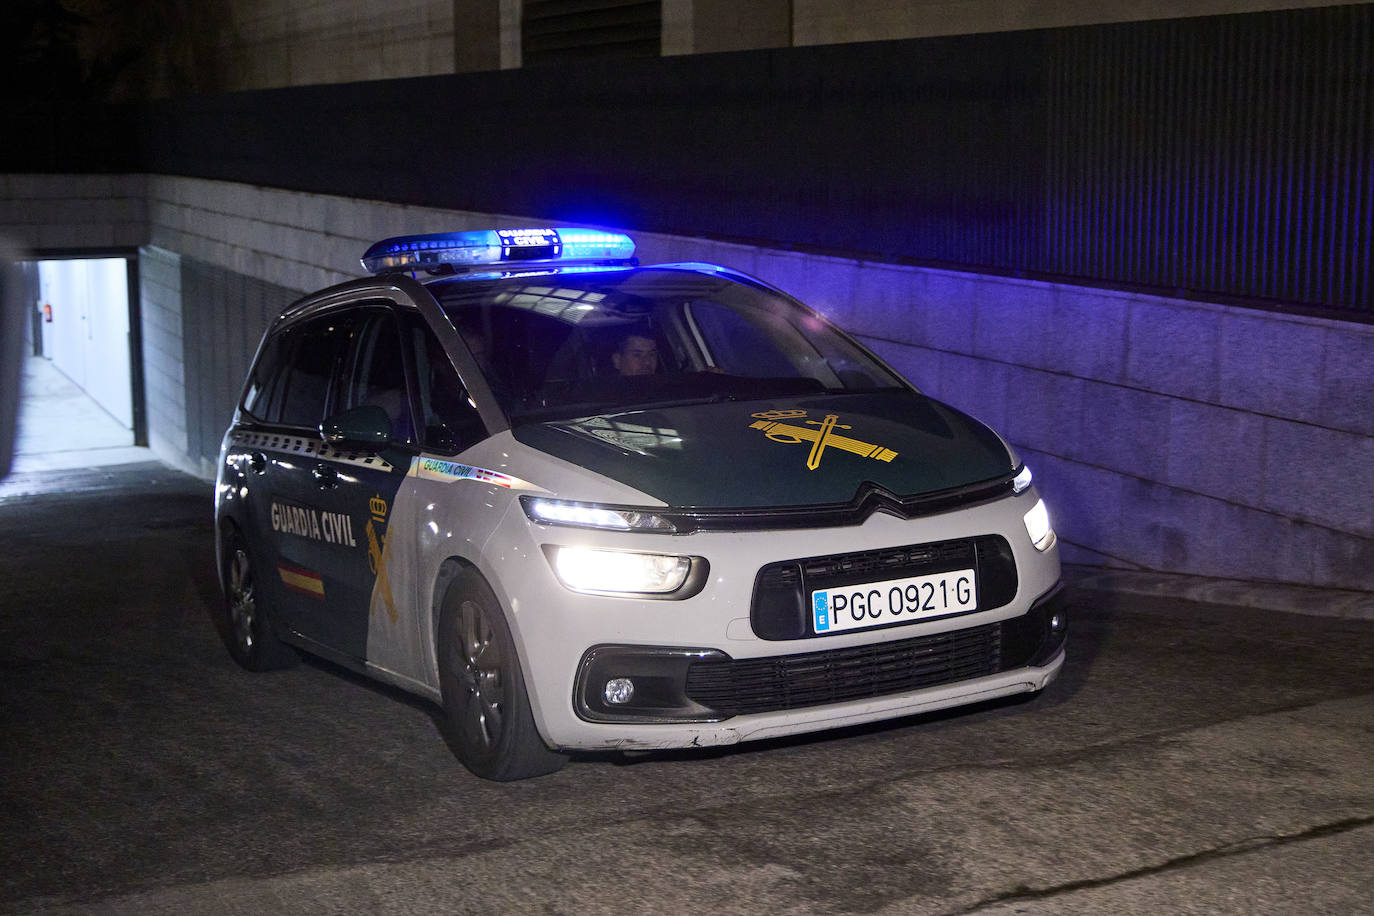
<point x="60" y="426"/>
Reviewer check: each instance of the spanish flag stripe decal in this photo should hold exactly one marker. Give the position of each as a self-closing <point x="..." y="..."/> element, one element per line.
<point x="301" y="580"/>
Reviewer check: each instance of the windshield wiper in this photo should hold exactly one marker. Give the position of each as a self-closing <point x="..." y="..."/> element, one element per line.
<point x="872" y="389"/>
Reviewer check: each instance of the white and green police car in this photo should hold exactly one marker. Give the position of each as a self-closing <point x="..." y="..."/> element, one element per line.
<point x="585" y="504"/>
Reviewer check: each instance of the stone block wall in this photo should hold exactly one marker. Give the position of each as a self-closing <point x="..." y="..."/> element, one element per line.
<point x="74" y="212"/>
<point x="164" y="369"/>
<point x="1166" y="434"/>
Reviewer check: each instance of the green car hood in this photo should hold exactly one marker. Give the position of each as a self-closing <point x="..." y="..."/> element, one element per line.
<point x="807" y="451"/>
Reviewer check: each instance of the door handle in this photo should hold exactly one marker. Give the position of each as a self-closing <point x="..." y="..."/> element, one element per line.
<point x="325" y="476"/>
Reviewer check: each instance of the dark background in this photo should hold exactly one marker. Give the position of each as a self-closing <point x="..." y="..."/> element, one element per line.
<point x="1230" y="157"/>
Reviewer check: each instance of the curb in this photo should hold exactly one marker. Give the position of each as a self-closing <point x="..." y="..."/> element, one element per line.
<point x="1309" y="600"/>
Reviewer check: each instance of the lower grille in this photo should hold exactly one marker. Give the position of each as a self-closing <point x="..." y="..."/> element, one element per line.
<point x="746" y="686"/>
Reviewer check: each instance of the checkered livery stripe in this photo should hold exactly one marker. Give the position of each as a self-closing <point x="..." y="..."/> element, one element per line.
<point x="308" y="447"/>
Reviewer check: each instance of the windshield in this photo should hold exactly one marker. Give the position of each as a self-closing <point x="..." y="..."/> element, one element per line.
<point x="573" y="344"/>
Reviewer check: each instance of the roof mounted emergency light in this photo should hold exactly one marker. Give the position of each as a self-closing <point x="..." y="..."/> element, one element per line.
<point x="486" y="247"/>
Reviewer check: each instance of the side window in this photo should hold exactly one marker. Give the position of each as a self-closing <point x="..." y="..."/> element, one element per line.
<point x="314" y="349"/>
<point x="451" y="422"/>
<point x="262" y="396"/>
<point x="375" y="374"/>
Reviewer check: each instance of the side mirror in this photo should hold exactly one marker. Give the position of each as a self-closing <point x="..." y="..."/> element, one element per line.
<point x="367" y="427"/>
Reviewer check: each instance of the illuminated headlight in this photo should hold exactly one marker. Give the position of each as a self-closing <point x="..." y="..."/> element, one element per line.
<point x="589" y="569"/>
<point x="588" y="515"/>
<point x="1022" y="481"/>
<point x="1038" y="526"/>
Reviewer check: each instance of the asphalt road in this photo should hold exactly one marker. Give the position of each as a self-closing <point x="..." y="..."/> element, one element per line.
<point x="1192" y="758"/>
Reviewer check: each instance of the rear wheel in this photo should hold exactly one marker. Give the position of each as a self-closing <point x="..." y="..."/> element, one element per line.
<point x="485" y="700"/>
<point x="248" y="629"/>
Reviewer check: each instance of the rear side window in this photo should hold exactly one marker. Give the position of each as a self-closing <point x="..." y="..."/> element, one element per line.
<point x="262" y="396"/>
<point x="289" y="385"/>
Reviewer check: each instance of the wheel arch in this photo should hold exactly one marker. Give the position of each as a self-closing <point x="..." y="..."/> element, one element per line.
<point x="225" y="526"/>
<point x="449" y="569"/>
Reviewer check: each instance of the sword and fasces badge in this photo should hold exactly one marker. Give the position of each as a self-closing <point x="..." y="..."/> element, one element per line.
<point x="820" y="433"/>
<point x="377" y="557"/>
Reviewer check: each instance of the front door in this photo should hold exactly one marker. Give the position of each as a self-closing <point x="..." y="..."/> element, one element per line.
<point x="359" y="490"/>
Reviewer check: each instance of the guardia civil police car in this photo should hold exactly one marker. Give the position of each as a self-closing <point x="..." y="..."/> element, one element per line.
<point x="587" y="504"/>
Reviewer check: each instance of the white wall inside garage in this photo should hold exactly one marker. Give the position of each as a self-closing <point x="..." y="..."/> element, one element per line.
<point x="87" y="337"/>
<point x="1168" y="435"/>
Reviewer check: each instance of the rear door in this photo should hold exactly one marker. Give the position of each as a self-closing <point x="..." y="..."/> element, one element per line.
<point x="288" y="396"/>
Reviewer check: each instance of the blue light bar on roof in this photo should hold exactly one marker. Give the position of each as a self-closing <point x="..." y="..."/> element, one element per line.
<point x="484" y="247"/>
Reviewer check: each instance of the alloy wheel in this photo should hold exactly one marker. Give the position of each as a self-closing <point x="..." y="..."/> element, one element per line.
<point x="243" y="607"/>
<point x="481" y="677"/>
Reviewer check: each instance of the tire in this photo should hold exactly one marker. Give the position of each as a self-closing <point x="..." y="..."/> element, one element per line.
<point x="486" y="703"/>
<point x="248" y="632"/>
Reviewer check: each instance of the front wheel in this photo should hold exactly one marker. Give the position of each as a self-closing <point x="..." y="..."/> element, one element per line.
<point x="485" y="699"/>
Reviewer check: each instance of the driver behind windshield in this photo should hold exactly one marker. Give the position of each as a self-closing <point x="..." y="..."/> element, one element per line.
<point x="636" y="354"/>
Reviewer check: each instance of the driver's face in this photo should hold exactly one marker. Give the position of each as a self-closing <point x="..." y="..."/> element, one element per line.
<point x="636" y="356"/>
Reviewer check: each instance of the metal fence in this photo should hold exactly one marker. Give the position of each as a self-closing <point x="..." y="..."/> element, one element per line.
<point x="1231" y="154"/>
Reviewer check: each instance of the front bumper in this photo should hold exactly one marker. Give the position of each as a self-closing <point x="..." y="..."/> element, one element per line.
<point x="820" y="718"/>
<point x="571" y="644"/>
<point x="659" y="685"/>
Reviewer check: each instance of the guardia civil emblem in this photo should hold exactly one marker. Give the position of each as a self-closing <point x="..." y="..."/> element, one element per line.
<point x="820" y="433"/>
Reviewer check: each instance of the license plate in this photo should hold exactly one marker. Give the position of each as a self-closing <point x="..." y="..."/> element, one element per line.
<point x="874" y="604"/>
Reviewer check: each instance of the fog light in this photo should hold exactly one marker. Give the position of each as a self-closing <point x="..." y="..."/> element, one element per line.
<point x="619" y="691"/>
<point x="1056" y="623"/>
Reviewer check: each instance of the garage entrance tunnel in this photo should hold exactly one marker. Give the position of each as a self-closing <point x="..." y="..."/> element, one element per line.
<point x="79" y="396"/>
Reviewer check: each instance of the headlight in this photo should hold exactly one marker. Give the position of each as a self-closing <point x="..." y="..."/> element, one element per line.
<point x="591" y="569"/>
<point x="590" y="515"/>
<point x="1022" y="481"/>
<point x="1038" y="526"/>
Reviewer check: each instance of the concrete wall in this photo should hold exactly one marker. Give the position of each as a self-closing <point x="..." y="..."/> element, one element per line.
<point x="164" y="369"/>
<point x="294" y="43"/>
<point x="259" y="44"/>
<point x="63" y="212"/>
<point x="706" y="26"/>
<point x="1176" y="435"/>
<point x="1167" y="435"/>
